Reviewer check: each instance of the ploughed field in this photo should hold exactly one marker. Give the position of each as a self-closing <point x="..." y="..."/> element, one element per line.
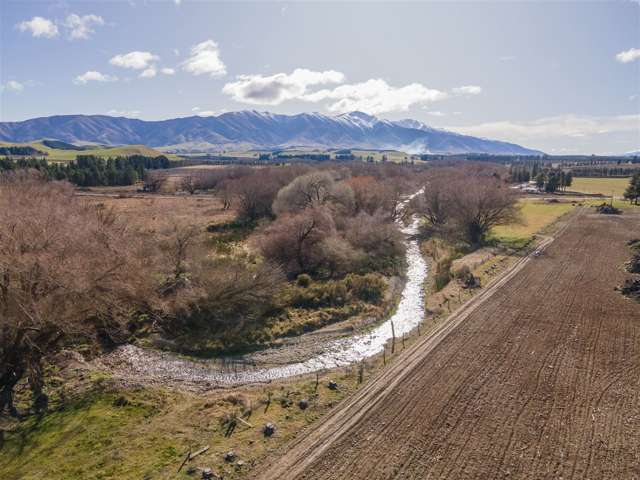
<point x="539" y="380"/>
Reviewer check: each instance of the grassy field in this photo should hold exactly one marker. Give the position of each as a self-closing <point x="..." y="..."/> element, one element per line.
<point x="60" y="155"/>
<point x="535" y="215"/>
<point x="391" y="155"/>
<point x="143" y="433"/>
<point x="603" y="185"/>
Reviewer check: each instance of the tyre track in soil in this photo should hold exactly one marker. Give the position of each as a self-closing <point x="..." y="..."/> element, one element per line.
<point x="537" y="377"/>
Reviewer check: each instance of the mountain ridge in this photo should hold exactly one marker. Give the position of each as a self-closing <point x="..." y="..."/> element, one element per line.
<point x="250" y="129"/>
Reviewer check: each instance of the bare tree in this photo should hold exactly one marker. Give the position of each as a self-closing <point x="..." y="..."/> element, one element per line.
<point x="66" y="271"/>
<point x="480" y="203"/>
<point x="379" y="239"/>
<point x="255" y="194"/>
<point x="191" y="182"/>
<point x="293" y="240"/>
<point x="374" y="196"/>
<point x="181" y="240"/>
<point x="433" y="204"/>
<point x="466" y="202"/>
<point x="154" y="181"/>
<point x="313" y="189"/>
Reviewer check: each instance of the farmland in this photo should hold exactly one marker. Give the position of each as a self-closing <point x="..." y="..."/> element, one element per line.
<point x="64" y="155"/>
<point x="536" y="380"/>
<point x="534" y="216"/>
<point x="605" y="185"/>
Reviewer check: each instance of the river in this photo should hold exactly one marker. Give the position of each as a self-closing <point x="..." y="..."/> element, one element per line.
<point x="154" y="365"/>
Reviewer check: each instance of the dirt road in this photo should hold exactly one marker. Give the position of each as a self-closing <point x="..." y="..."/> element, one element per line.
<point x="539" y="379"/>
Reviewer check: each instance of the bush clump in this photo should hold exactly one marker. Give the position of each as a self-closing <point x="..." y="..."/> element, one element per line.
<point x="443" y="273"/>
<point x="303" y="280"/>
<point x="368" y="288"/>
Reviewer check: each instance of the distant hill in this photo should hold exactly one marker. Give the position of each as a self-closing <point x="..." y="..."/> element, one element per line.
<point x="246" y="130"/>
<point x="64" y="151"/>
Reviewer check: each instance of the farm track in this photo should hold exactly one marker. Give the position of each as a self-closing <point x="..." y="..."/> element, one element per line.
<point x="537" y="377"/>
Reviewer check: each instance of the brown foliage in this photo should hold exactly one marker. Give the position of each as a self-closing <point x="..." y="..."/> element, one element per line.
<point x="293" y="240"/>
<point x="315" y="189"/>
<point x="373" y="196"/>
<point x="67" y="270"/>
<point x="465" y="202"/>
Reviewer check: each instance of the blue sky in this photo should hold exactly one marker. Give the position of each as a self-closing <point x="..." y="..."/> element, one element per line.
<point x="561" y="77"/>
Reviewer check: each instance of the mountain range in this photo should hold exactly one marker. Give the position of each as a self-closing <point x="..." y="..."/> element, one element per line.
<point x="246" y="130"/>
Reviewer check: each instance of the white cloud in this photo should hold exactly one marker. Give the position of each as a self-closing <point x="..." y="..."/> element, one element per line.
<point x="168" y="71"/>
<point x="207" y="113"/>
<point x="467" y="90"/>
<point x="124" y="113"/>
<point x="562" y="126"/>
<point x="275" y="89"/>
<point x="507" y="58"/>
<point x="205" y="59"/>
<point x="435" y="113"/>
<point x="177" y="2"/>
<point x="376" y="96"/>
<point x="628" y="55"/>
<point x="13" y="86"/>
<point x="39" y="27"/>
<point x="80" y="27"/>
<point x="136" y="60"/>
<point x="93" y="76"/>
<point x="149" y="72"/>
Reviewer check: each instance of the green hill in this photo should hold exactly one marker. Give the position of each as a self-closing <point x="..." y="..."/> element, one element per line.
<point x="67" y="154"/>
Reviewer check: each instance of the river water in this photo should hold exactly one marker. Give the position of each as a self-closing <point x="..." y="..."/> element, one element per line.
<point x="337" y="353"/>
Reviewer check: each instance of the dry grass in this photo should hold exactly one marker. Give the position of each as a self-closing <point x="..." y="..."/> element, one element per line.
<point x="157" y="212"/>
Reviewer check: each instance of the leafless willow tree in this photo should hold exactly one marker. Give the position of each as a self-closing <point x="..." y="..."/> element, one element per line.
<point x="315" y="189"/>
<point x="67" y="270"/>
<point x="467" y="202"/>
<point x="154" y="181"/>
<point x="293" y="240"/>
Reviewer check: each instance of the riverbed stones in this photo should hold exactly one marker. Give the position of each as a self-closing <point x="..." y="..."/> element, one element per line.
<point x="230" y="456"/>
<point x="207" y="474"/>
<point x="269" y="429"/>
<point x="332" y="385"/>
<point x="303" y="404"/>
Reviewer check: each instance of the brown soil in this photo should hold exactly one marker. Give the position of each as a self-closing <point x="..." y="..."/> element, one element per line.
<point x="537" y="377"/>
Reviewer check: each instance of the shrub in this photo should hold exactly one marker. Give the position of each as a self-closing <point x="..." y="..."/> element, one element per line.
<point x="368" y="288"/>
<point x="303" y="280"/>
<point x="443" y="273"/>
<point x="333" y="293"/>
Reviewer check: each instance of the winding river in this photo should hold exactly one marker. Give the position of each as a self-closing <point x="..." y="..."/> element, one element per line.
<point x="153" y="365"/>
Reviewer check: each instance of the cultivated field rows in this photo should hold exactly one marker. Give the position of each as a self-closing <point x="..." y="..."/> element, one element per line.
<point x="539" y="380"/>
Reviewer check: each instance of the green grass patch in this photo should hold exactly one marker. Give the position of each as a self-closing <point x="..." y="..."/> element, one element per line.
<point x="535" y="215"/>
<point x="94" y="438"/>
<point x="603" y="185"/>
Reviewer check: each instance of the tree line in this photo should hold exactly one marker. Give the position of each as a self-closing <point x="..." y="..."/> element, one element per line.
<point x="90" y="170"/>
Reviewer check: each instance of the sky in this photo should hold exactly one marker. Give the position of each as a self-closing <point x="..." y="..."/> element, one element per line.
<point x="562" y="77"/>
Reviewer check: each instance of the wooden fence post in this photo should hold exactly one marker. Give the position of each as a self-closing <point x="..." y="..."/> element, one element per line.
<point x="393" y="338"/>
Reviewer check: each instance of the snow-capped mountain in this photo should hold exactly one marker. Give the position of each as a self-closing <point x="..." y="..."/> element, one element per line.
<point x="264" y="130"/>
